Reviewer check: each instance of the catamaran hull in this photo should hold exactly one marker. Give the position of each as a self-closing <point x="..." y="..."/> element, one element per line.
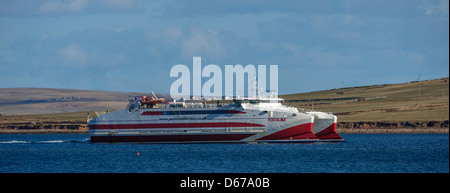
<point x="190" y="138"/>
<point x="276" y="130"/>
<point x="296" y="134"/>
<point x="325" y="127"/>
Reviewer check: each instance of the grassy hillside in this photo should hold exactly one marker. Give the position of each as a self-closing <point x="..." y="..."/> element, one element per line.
<point x="25" y="101"/>
<point x="391" y="102"/>
<point x="377" y="104"/>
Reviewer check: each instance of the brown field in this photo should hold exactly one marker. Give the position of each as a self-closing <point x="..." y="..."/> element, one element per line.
<point x="394" y="108"/>
<point x="25" y="101"/>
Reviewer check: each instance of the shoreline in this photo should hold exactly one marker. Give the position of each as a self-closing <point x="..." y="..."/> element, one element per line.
<point x="338" y="130"/>
<point x="42" y="131"/>
<point x="394" y="131"/>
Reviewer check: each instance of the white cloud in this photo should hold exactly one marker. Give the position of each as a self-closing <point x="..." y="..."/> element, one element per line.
<point x="73" y="54"/>
<point x="347" y="19"/>
<point x="119" y="4"/>
<point x="293" y="48"/>
<point x="350" y="35"/>
<point x="436" y="7"/>
<point x="197" y="41"/>
<point x="62" y="6"/>
<point x="166" y="36"/>
<point x="322" y="39"/>
<point x="65" y="7"/>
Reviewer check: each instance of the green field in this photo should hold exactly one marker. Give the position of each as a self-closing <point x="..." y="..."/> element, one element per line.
<point x="392" y="103"/>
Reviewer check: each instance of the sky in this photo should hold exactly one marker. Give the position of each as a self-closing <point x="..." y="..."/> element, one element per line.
<point x="131" y="45"/>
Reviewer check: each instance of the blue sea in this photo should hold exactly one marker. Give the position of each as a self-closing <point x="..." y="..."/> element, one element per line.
<point x="360" y="153"/>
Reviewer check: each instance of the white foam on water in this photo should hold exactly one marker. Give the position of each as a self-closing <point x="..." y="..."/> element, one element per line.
<point x="40" y="142"/>
<point x="15" y="141"/>
<point x="54" y="141"/>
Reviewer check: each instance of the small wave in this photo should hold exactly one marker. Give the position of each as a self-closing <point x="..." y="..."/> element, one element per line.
<point x="54" y="141"/>
<point x="45" y="142"/>
<point x="15" y="141"/>
<point x="64" y="141"/>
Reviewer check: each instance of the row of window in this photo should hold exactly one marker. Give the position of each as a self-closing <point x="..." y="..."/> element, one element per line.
<point x="195" y="112"/>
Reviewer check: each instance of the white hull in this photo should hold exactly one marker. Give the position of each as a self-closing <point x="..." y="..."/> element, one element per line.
<point x="233" y="123"/>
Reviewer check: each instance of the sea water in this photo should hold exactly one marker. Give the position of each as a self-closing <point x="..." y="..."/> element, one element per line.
<point x="359" y="153"/>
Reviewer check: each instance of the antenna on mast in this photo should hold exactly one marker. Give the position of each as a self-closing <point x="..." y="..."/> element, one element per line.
<point x="153" y="94"/>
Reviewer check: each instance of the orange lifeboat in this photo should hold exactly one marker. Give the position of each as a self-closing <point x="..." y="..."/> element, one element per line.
<point x="151" y="100"/>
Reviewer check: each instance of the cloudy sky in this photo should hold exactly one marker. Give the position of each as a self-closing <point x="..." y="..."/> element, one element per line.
<point x="131" y="45"/>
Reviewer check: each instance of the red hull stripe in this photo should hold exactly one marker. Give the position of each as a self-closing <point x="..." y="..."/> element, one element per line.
<point x="303" y="131"/>
<point x="329" y="133"/>
<point x="174" y="125"/>
<point x="170" y="138"/>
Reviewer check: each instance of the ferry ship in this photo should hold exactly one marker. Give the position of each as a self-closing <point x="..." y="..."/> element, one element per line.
<point x="244" y="120"/>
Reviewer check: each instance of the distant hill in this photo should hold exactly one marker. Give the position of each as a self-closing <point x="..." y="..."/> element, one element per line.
<point x="375" y="103"/>
<point x="387" y="102"/>
<point x="16" y="101"/>
<point x="383" y="108"/>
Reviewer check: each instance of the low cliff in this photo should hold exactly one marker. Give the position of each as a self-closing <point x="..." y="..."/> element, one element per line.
<point x="393" y="125"/>
<point x="63" y="127"/>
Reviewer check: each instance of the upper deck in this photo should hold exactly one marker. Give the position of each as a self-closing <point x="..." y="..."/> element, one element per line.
<point x="239" y="102"/>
